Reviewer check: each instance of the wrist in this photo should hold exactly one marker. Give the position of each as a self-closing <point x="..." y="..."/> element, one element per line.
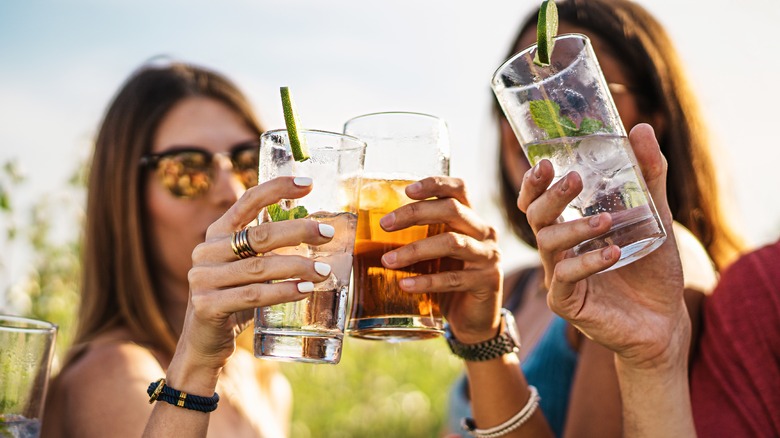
<point x="503" y="340"/>
<point x="188" y="374"/>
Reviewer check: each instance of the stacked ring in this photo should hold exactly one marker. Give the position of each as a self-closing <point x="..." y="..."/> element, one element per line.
<point x="240" y="244"/>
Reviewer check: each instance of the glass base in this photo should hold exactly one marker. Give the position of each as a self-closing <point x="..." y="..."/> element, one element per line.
<point x="298" y="347"/>
<point x="636" y="240"/>
<point x="396" y="328"/>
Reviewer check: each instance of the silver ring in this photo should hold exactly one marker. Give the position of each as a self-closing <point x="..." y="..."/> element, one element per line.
<point x="239" y="242"/>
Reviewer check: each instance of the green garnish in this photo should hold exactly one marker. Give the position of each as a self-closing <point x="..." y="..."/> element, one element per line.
<point x="547" y="115"/>
<point x="298" y="145"/>
<point x="278" y="214"/>
<point x="546" y="29"/>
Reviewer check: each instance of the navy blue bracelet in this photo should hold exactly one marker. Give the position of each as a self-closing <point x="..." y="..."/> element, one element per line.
<point x="160" y="391"/>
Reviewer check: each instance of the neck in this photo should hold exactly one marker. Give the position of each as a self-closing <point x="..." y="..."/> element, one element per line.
<point x="175" y="296"/>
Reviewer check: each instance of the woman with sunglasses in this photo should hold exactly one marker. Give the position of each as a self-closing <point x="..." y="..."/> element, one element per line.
<point x="177" y="149"/>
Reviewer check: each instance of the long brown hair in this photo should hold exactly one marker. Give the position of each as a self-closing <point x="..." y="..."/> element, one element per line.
<point x="645" y="49"/>
<point x="118" y="288"/>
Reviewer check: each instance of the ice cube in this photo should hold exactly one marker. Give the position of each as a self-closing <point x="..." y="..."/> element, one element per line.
<point x="604" y="155"/>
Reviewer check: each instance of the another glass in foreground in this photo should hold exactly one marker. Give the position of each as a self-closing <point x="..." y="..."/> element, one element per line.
<point x="312" y="330"/>
<point x="401" y="149"/>
<point x="564" y="113"/>
<point x="26" y="351"/>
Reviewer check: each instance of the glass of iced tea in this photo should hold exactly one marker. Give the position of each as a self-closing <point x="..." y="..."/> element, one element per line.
<point x="402" y="148"/>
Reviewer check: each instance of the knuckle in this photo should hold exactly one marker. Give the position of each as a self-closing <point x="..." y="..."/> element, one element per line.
<point x="199" y="253"/>
<point x="260" y="233"/>
<point x="456" y="242"/>
<point x="453" y="279"/>
<point x="256" y="266"/>
<point x="195" y="276"/>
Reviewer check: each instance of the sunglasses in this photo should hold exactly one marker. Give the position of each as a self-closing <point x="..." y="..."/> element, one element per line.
<point x="189" y="172"/>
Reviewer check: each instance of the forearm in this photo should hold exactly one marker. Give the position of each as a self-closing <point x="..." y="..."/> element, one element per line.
<point x="499" y="391"/>
<point x="656" y="403"/>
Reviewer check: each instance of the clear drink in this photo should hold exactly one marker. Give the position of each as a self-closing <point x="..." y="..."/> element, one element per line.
<point x="381" y="310"/>
<point x="611" y="183"/>
<point x="18" y="426"/>
<point x="313" y="327"/>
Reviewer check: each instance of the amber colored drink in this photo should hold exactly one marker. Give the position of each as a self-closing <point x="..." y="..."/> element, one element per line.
<point x="380" y="309"/>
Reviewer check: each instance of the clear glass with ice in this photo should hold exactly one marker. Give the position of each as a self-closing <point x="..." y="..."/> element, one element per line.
<point x="26" y="352"/>
<point x="564" y="113"/>
<point x="312" y="330"/>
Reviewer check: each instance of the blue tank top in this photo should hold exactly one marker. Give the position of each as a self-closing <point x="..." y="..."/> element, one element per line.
<point x="549" y="367"/>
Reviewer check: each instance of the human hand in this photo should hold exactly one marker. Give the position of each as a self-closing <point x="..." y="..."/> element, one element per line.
<point x="471" y="288"/>
<point x="225" y="290"/>
<point x="637" y="311"/>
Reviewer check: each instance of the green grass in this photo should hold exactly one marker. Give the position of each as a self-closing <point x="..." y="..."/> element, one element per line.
<point x="378" y="390"/>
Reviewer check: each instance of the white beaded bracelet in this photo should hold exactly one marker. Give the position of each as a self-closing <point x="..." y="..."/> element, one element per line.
<point x="509" y="425"/>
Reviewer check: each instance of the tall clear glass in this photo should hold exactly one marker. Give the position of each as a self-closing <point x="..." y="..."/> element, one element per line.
<point x="312" y="330"/>
<point x="26" y="351"/>
<point x="564" y="112"/>
<point x="402" y="148"/>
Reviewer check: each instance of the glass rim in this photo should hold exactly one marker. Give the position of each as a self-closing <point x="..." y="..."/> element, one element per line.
<point x="360" y="143"/>
<point x="566" y="36"/>
<point x="396" y="113"/>
<point x="27" y="325"/>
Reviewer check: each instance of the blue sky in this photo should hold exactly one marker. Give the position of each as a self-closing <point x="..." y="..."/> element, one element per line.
<point x="62" y="60"/>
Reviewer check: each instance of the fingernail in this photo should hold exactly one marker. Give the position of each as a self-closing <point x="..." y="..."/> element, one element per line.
<point x="537" y="171"/>
<point x="387" y="221"/>
<point x="607" y="253"/>
<point x="322" y="268"/>
<point x="407" y="283"/>
<point x="389" y="258"/>
<point x="302" y="181"/>
<point x="565" y="184"/>
<point x="327" y="230"/>
<point x="305" y="287"/>
<point x="594" y="220"/>
<point x="414" y="188"/>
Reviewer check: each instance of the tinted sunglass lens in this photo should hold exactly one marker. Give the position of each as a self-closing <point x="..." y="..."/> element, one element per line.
<point x="245" y="164"/>
<point x="186" y="174"/>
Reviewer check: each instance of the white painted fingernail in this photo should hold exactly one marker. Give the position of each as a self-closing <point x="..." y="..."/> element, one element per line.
<point x="327" y="230"/>
<point x="322" y="268"/>
<point x="302" y="181"/>
<point x="305" y="287"/>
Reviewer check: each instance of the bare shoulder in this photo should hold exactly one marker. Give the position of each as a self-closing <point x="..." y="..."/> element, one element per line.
<point x="698" y="269"/>
<point x="105" y="389"/>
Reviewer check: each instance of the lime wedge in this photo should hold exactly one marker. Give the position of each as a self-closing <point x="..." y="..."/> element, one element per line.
<point x="546" y="29"/>
<point x="297" y="142"/>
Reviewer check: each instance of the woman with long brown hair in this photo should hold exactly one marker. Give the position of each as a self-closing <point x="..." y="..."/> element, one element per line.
<point x="648" y="84"/>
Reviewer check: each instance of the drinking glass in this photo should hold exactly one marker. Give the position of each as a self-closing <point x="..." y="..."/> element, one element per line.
<point x="26" y="351"/>
<point x="402" y="148"/>
<point x="312" y="330"/>
<point x="564" y="113"/>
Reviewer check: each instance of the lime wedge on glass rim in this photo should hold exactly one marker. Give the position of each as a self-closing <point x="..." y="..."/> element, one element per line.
<point x="546" y="29"/>
<point x="298" y="145"/>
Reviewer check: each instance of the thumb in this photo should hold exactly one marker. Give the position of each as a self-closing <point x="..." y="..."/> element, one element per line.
<point x="653" y="166"/>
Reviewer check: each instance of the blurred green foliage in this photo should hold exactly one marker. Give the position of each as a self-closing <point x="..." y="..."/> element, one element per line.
<point x="378" y="390"/>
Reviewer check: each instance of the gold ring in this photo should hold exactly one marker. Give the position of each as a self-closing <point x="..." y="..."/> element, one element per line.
<point x="240" y="244"/>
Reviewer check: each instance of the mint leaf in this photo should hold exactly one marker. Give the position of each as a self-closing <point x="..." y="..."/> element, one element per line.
<point x="546" y="114"/>
<point x="278" y="214"/>
<point x="590" y="126"/>
<point x="298" y="212"/>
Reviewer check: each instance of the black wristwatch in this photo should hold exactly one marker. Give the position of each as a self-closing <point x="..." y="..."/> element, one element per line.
<point x="507" y="341"/>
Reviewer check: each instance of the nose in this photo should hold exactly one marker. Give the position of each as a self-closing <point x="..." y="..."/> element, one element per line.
<point x="227" y="188"/>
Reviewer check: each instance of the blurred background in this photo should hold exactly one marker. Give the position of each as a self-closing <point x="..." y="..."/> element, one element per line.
<point x="61" y="61"/>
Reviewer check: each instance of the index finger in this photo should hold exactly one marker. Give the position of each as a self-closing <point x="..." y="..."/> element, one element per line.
<point x="438" y="187"/>
<point x="245" y="210"/>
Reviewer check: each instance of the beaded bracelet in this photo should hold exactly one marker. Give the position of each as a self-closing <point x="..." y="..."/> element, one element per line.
<point x="509" y="425"/>
<point x="160" y="391"/>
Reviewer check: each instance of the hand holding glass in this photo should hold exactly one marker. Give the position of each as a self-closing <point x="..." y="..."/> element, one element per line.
<point x="312" y="330"/>
<point x="564" y="113"/>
